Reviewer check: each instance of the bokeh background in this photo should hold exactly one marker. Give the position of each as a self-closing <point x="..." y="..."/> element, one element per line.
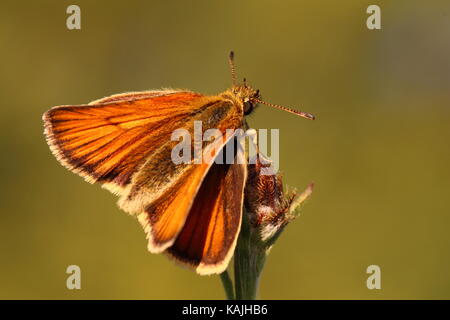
<point x="378" y="153"/>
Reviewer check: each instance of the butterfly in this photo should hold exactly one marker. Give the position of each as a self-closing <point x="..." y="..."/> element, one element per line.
<point x="192" y="212"/>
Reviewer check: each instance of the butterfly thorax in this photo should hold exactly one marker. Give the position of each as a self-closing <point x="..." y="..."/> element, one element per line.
<point x="243" y="96"/>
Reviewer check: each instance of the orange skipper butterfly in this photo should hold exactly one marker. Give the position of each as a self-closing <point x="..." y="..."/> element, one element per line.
<point x="190" y="211"/>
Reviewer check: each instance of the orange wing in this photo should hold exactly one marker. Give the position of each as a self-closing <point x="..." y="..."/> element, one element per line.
<point x="164" y="210"/>
<point x="108" y="139"/>
<point x="123" y="142"/>
<point x="209" y="236"/>
<point x="164" y="218"/>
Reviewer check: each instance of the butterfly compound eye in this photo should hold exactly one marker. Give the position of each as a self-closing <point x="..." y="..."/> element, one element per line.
<point x="248" y="107"/>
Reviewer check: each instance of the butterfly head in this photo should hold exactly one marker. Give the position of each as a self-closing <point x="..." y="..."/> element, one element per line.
<point x="248" y="96"/>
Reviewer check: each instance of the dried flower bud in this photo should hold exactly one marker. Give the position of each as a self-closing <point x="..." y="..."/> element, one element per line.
<point x="269" y="208"/>
<point x="267" y="211"/>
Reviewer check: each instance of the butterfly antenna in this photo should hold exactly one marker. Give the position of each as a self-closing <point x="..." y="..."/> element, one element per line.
<point x="232" y="67"/>
<point x="298" y="113"/>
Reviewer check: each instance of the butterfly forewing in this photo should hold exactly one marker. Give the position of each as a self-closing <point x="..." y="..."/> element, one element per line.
<point x="107" y="140"/>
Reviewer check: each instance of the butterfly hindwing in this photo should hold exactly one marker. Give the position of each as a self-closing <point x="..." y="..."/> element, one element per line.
<point x="209" y="235"/>
<point x="164" y="210"/>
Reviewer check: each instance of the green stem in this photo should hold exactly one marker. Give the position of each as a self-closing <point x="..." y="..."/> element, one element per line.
<point x="249" y="259"/>
<point x="227" y="285"/>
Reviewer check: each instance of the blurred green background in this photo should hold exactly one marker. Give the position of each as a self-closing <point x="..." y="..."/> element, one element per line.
<point x="378" y="153"/>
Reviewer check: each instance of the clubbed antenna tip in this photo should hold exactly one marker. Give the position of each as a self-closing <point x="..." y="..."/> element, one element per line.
<point x="232" y="67"/>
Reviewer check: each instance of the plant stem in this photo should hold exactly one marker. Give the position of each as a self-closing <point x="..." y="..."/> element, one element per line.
<point x="227" y="285"/>
<point x="249" y="259"/>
